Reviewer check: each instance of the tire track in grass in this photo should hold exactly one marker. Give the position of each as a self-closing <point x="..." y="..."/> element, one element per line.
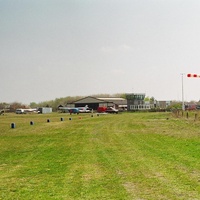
<point x="92" y="177"/>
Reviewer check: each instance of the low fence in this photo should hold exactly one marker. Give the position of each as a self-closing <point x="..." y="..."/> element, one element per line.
<point x="186" y="114"/>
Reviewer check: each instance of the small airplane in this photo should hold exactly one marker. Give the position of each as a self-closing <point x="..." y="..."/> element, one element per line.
<point x="76" y="110"/>
<point x="27" y="110"/>
<point x="85" y="109"/>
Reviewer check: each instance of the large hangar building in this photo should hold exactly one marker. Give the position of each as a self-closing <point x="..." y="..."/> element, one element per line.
<point x="94" y="103"/>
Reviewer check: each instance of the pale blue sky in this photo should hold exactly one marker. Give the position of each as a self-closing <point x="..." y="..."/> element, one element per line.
<point x="58" y="48"/>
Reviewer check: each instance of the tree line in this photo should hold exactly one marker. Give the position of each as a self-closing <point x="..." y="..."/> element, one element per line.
<point x="51" y="103"/>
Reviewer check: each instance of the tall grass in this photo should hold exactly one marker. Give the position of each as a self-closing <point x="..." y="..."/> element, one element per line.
<point x="124" y="156"/>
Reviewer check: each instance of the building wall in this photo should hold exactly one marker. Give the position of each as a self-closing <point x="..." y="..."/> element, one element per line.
<point x="163" y="104"/>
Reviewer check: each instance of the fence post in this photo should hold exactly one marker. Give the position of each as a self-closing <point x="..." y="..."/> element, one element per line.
<point x="195" y="117"/>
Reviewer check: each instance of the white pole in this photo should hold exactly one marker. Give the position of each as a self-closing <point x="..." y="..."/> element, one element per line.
<point x="183" y="106"/>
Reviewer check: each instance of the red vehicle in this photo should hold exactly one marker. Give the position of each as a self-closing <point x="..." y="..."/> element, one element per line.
<point x="107" y="110"/>
<point x="101" y="109"/>
<point x="190" y="107"/>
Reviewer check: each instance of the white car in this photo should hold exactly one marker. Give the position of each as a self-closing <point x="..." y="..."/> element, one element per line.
<point x="19" y="111"/>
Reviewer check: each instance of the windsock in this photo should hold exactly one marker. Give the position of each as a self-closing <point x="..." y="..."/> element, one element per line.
<point x="193" y="75"/>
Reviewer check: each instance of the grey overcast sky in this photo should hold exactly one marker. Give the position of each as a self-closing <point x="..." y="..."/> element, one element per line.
<point x="57" y="48"/>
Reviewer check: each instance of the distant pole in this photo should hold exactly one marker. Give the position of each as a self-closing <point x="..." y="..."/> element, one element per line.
<point x="183" y="106"/>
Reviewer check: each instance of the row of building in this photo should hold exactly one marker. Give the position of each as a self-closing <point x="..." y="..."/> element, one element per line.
<point x="132" y="102"/>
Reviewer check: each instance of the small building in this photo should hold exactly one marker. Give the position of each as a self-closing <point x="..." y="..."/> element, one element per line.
<point x="44" y="110"/>
<point x="136" y="101"/>
<point x="163" y="104"/>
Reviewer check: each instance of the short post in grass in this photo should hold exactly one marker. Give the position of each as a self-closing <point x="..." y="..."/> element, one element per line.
<point x="195" y="117"/>
<point x="61" y="119"/>
<point x="176" y="113"/>
<point x="12" y="125"/>
<point x="48" y="120"/>
<point x="187" y="115"/>
<point x="31" y="123"/>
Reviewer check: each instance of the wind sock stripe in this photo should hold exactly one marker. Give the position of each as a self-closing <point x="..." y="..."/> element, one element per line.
<point x="193" y="75"/>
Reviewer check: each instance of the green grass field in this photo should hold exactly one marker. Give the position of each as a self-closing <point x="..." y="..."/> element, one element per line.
<point x="129" y="156"/>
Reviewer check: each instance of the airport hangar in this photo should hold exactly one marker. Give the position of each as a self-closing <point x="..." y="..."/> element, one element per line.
<point x="94" y="103"/>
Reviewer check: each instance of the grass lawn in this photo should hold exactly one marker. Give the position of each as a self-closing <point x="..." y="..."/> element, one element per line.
<point x="140" y="156"/>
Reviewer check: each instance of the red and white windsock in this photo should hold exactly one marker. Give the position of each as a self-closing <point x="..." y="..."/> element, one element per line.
<point x="193" y="75"/>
